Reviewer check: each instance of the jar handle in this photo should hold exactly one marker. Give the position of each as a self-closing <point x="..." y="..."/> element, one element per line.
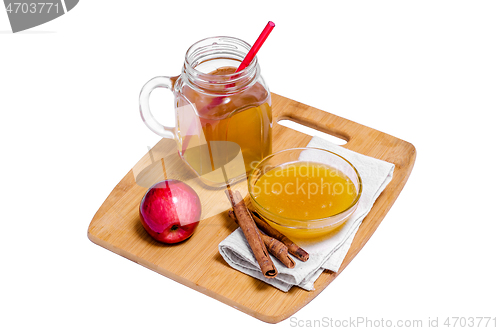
<point x="147" y="117"/>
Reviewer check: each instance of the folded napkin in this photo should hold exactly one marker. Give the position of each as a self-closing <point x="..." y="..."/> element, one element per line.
<point x="329" y="251"/>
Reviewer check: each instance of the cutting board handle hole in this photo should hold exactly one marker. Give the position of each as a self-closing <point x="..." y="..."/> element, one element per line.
<point x="312" y="132"/>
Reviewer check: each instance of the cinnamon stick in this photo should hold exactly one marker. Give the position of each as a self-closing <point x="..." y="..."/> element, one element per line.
<point x="251" y="233"/>
<point x="274" y="246"/>
<point x="293" y="248"/>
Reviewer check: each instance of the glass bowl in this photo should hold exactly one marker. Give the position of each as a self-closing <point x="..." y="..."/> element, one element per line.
<point x="300" y="227"/>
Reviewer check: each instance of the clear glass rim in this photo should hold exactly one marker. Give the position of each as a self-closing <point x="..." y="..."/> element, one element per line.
<point x="316" y="220"/>
<point x="227" y="44"/>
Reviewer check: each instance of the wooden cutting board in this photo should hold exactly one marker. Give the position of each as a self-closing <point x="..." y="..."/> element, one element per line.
<point x="196" y="262"/>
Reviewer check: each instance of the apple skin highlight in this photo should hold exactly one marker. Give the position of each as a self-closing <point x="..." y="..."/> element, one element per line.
<point x="170" y="211"/>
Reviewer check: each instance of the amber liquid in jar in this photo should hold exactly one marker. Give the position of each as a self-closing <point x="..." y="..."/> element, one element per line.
<point x="243" y="118"/>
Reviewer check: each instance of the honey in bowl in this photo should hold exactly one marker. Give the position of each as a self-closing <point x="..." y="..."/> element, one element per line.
<point x="296" y="196"/>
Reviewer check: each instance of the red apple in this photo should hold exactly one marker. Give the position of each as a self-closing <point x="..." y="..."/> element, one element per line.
<point x="170" y="211"/>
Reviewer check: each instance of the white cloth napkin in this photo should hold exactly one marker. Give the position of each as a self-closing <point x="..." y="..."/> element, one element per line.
<point x="327" y="253"/>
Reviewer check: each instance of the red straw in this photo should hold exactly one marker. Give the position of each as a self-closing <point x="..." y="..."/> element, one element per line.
<point x="256" y="46"/>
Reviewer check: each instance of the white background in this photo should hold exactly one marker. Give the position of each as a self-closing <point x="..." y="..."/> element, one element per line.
<point x="427" y="72"/>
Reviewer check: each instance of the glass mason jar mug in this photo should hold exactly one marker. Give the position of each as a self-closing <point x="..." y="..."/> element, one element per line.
<point x="223" y="117"/>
